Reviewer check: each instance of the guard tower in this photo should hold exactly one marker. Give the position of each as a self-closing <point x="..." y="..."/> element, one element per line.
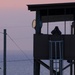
<point x="55" y="48"/>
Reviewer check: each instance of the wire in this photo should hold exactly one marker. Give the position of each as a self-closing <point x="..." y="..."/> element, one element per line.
<point x="22" y="51"/>
<point x="19" y="48"/>
<point x="16" y="60"/>
<point x="12" y="27"/>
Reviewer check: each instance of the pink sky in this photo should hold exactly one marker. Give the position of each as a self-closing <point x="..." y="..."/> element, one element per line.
<point x="15" y="17"/>
<point x="16" y="4"/>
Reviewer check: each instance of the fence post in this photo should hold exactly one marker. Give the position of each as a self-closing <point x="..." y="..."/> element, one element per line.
<point x="4" y="56"/>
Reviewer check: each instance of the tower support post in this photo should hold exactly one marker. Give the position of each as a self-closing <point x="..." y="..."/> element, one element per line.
<point x="36" y="67"/>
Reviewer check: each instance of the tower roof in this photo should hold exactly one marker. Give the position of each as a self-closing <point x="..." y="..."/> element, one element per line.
<point x="55" y="11"/>
<point x="35" y="7"/>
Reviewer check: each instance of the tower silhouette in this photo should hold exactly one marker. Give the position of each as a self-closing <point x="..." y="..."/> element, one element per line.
<point x="56" y="47"/>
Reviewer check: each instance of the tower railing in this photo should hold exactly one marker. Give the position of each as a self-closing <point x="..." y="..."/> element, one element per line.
<point x="56" y="56"/>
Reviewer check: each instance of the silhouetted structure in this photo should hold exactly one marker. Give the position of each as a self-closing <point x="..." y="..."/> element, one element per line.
<point x="43" y="44"/>
<point x="56" y="31"/>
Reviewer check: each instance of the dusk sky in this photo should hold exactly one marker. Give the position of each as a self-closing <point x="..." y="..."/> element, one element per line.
<point x="17" y="19"/>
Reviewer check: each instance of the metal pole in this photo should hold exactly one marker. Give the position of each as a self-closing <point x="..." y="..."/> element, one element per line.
<point x="47" y="21"/>
<point x="64" y="22"/>
<point x="65" y="27"/>
<point x="4" y="58"/>
<point x="51" y="57"/>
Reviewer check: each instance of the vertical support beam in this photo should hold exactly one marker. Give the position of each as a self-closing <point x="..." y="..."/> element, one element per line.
<point x="74" y="24"/>
<point x="65" y="22"/>
<point x="65" y="27"/>
<point x="72" y="28"/>
<point x="74" y="67"/>
<point x="38" y="31"/>
<point x="55" y="45"/>
<point x="71" y="68"/>
<point x="61" y="57"/>
<point x="36" y="67"/>
<point x="51" y="57"/>
<point x="74" y="34"/>
<point x="47" y="21"/>
<point x="4" y="58"/>
<point x="51" y="67"/>
<point x="38" y="23"/>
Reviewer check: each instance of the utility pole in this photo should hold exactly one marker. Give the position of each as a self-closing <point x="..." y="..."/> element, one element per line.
<point x="4" y="56"/>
